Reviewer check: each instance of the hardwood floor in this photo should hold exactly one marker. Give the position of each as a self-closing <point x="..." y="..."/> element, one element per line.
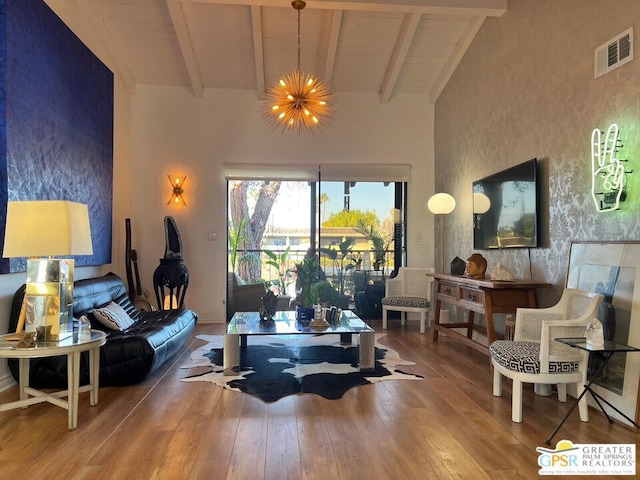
<point x="447" y="425"/>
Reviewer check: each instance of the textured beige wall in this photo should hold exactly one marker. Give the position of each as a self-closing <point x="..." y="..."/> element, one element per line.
<point x="525" y="89"/>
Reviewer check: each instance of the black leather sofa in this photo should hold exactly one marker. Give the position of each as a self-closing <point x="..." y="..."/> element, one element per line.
<point x="128" y="356"/>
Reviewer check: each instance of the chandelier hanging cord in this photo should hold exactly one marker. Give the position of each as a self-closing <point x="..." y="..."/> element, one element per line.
<point x="299" y="38"/>
<point x="298" y="5"/>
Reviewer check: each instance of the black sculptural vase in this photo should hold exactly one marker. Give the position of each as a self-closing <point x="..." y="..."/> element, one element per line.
<point x="171" y="278"/>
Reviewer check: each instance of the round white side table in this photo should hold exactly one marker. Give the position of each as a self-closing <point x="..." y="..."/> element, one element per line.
<point x="72" y="349"/>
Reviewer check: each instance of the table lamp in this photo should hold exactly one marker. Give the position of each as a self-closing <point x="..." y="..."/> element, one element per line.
<point x="37" y="229"/>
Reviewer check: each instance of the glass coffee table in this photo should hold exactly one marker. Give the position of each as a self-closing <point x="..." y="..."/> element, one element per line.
<point x="248" y="324"/>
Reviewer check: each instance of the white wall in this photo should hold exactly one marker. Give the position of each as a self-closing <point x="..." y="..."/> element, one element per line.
<point x="175" y="133"/>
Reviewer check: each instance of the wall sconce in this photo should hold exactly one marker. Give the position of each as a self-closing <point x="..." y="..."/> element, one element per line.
<point x="441" y="204"/>
<point x="608" y="180"/>
<point x="176" y="196"/>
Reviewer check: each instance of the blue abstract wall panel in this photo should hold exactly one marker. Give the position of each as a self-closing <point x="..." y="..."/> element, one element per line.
<point x="56" y="99"/>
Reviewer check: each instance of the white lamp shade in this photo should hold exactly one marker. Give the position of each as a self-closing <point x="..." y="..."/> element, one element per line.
<point x="441" y="204"/>
<point x="46" y="229"/>
<point x="481" y="203"/>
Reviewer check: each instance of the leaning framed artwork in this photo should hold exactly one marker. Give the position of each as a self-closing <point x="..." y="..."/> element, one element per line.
<point x="613" y="269"/>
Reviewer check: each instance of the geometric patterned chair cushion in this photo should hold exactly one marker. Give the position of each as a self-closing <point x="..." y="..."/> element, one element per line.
<point x="525" y="357"/>
<point x="415" y="302"/>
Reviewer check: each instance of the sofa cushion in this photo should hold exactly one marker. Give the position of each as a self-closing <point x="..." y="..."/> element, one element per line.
<point x="113" y="316"/>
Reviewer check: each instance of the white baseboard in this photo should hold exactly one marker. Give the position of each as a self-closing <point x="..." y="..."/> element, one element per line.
<point x="6" y="382"/>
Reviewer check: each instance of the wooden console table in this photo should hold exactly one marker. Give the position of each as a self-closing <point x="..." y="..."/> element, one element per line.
<point x="480" y="296"/>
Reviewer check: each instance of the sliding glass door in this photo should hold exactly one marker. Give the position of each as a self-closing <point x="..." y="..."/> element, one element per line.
<point x="354" y="227"/>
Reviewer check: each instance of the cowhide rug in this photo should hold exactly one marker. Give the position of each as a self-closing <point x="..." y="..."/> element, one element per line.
<point x="276" y="366"/>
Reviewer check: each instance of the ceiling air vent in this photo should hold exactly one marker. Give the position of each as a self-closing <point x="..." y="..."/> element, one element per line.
<point x="614" y="53"/>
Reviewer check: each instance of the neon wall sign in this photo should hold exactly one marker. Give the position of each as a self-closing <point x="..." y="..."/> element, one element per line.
<point x="607" y="170"/>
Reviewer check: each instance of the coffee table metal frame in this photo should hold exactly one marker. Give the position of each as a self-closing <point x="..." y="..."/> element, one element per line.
<point x="72" y="349"/>
<point x="247" y="324"/>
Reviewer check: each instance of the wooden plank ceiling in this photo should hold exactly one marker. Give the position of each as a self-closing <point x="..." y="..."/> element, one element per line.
<point x="382" y="46"/>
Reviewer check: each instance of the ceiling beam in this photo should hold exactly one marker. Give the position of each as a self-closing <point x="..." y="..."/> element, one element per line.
<point x="485" y="8"/>
<point x="332" y="49"/>
<point x="119" y="66"/>
<point x="456" y="56"/>
<point x="258" y="51"/>
<point x="188" y="56"/>
<point x="400" y="49"/>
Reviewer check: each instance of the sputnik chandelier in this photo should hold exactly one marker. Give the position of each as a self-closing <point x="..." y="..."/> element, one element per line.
<point x="297" y="100"/>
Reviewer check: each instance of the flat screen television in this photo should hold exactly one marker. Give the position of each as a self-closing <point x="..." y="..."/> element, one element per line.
<point x="505" y="208"/>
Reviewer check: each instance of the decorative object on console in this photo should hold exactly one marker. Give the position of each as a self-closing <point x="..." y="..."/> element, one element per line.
<point x="501" y="273"/>
<point x="172" y="272"/>
<point x="297" y="100"/>
<point x="476" y="266"/>
<point x="441" y="204"/>
<point x="608" y="180"/>
<point x="48" y="228"/>
<point x="176" y="197"/>
<point x="458" y="266"/>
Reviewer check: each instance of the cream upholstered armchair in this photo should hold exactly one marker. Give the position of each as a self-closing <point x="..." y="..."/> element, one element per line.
<point x="533" y="356"/>
<point x="409" y="291"/>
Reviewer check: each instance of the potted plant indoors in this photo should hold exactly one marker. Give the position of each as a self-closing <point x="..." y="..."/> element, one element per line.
<point x="285" y="272"/>
<point x="328" y="296"/>
<point x="324" y="293"/>
<point x="379" y="244"/>
<point x="338" y="257"/>
<point x="307" y="275"/>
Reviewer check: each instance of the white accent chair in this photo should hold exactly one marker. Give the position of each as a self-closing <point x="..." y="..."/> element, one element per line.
<point x="533" y="356"/>
<point x="409" y="291"/>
